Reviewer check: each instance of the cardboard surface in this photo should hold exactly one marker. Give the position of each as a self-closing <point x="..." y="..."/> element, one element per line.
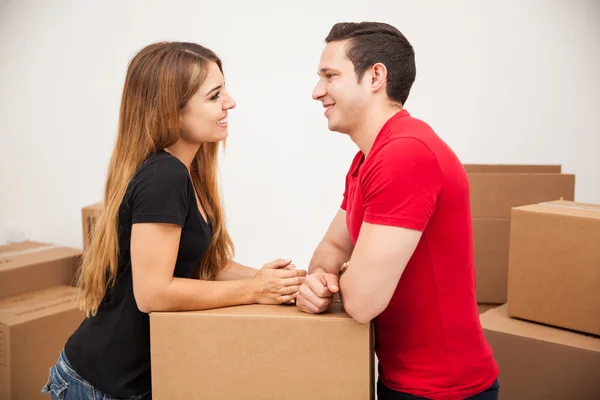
<point x="261" y="352"/>
<point x="541" y="362"/>
<point x="495" y="189"/>
<point x="33" y="330"/>
<point x="491" y="239"/>
<point x="89" y="214"/>
<point x="512" y="168"/>
<point x="30" y="266"/>
<point x="554" y="270"/>
<point x="483" y="307"/>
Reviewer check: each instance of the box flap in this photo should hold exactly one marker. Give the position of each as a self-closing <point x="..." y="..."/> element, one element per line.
<point x="21" y="246"/>
<point x="27" y="253"/>
<point x="93" y="207"/>
<point x="511" y="168"/>
<point x="493" y="195"/>
<point x="497" y="320"/>
<point x="336" y="312"/>
<point x="564" y="207"/>
<point x="15" y="310"/>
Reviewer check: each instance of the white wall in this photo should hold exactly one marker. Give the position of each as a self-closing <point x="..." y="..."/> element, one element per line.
<point x="502" y="82"/>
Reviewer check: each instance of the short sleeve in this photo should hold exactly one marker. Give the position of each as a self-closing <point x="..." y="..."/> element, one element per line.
<point x="358" y="158"/>
<point x="345" y="195"/>
<point x="161" y="193"/>
<point x="401" y="185"/>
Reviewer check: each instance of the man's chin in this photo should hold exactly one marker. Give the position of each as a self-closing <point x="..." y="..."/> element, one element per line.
<point x="335" y="128"/>
<point x="332" y="126"/>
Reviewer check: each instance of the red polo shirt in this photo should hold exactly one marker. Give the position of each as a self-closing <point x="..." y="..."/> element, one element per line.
<point x="429" y="341"/>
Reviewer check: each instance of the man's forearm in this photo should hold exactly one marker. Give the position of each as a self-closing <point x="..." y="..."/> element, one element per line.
<point x="329" y="257"/>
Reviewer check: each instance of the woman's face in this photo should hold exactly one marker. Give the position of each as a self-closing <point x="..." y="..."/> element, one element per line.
<point x="204" y="118"/>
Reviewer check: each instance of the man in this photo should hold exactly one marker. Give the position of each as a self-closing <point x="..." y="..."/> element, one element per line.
<point x="400" y="249"/>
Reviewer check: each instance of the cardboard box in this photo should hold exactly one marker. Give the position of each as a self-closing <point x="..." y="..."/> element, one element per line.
<point x="33" y="330"/>
<point x="89" y="215"/>
<point x="491" y="239"/>
<point x="483" y="307"/>
<point x="260" y="352"/>
<point x="495" y="189"/>
<point x="554" y="271"/>
<point x="30" y="266"/>
<point x="541" y="362"/>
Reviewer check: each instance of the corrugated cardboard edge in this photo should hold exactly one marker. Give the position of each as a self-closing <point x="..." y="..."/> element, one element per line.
<point x="22" y="308"/>
<point x="373" y="366"/>
<point x="50" y="254"/>
<point x="512" y="168"/>
<point x="535" y="331"/>
<point x="4" y="362"/>
<point x="336" y="313"/>
<point x="23" y="245"/>
<point x="33" y="250"/>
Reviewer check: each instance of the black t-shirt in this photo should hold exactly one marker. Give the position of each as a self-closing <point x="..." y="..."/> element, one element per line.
<point x="112" y="349"/>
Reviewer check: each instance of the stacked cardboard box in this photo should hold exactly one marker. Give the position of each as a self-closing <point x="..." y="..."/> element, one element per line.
<point x="38" y="312"/>
<point x="261" y="352"/>
<point x="89" y="215"/>
<point x="554" y="272"/>
<point x="539" y="362"/>
<point x="546" y="337"/>
<point x="495" y="189"/>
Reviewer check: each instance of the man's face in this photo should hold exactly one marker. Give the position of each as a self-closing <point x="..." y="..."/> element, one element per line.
<point x="342" y="96"/>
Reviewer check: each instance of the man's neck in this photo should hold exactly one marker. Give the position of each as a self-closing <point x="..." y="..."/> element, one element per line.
<point x="364" y="135"/>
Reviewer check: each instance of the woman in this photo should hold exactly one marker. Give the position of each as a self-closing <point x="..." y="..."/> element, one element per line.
<point x="160" y="243"/>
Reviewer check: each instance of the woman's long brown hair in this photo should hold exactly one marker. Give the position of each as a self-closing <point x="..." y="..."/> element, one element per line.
<point x="160" y="80"/>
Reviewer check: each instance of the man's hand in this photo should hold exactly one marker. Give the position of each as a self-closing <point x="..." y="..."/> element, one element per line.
<point x="316" y="293"/>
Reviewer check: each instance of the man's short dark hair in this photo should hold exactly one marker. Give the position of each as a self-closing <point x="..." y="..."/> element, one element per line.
<point x="377" y="42"/>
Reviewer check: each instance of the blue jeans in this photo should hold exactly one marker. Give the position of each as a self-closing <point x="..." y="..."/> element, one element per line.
<point x="65" y="384"/>
<point x="385" y="393"/>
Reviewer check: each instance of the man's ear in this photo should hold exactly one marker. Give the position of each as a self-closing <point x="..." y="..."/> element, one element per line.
<point x="378" y="77"/>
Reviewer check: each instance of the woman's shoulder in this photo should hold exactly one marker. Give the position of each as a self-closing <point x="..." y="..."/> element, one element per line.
<point x="162" y="166"/>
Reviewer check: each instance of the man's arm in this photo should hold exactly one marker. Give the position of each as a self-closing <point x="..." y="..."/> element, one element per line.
<point x="378" y="261"/>
<point x="335" y="248"/>
<point x="316" y="293"/>
<point x="400" y="189"/>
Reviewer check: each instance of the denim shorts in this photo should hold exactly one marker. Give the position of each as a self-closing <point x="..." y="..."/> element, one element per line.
<point x="65" y="384"/>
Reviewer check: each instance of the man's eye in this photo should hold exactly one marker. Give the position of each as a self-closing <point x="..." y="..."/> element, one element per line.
<point x="329" y="76"/>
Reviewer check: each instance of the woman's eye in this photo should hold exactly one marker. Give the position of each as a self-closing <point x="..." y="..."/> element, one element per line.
<point x="216" y="96"/>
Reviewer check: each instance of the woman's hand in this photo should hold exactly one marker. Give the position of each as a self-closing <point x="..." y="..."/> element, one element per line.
<point x="277" y="282"/>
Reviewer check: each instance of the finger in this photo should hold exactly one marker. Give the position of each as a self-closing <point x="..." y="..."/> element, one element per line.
<point x="331" y="281"/>
<point x="289" y="273"/>
<point x="279" y="263"/>
<point x="288" y="298"/>
<point x="306" y="294"/>
<point x="290" y="266"/>
<point x="289" y="289"/>
<point x="296" y="281"/>
<point x="306" y="306"/>
<point x="318" y="287"/>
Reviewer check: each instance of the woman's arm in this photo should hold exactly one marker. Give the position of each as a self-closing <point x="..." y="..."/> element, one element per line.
<point x="235" y="271"/>
<point x="153" y="255"/>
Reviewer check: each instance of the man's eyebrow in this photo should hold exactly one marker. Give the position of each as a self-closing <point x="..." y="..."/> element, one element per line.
<point x="325" y="70"/>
